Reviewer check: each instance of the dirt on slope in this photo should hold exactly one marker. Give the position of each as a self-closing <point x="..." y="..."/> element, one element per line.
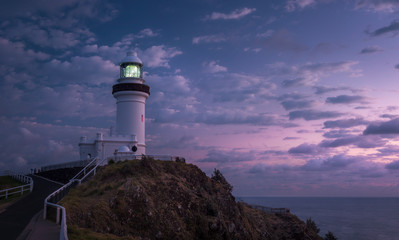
<point x="150" y="199"/>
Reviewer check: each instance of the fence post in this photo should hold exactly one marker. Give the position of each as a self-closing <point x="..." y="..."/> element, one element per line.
<point x="58" y="215"/>
<point x="6" y="193"/>
<point x="45" y="211"/>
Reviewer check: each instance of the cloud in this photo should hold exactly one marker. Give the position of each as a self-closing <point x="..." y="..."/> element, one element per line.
<point x="393" y="165"/>
<point x="236" y="14"/>
<point x="397" y="66"/>
<point x="360" y="141"/>
<point x="89" y="70"/>
<point x="305" y="148"/>
<point x="390" y="127"/>
<point x="292" y="104"/>
<point x="31" y="144"/>
<point x="345" y="99"/>
<point x="372" y="49"/>
<point x="336" y="162"/>
<point x="345" y="123"/>
<point x="337" y="134"/>
<point x="16" y="53"/>
<point x="391" y="28"/>
<point x="238" y="116"/>
<point x="209" y="39"/>
<point x="310" y="73"/>
<point x="213" y="67"/>
<point x="293" y="5"/>
<point x="226" y="157"/>
<point x="313" y="115"/>
<point x="324" y="89"/>
<point x="294" y="82"/>
<point x="159" y="56"/>
<point x="147" y="32"/>
<point x="377" y="5"/>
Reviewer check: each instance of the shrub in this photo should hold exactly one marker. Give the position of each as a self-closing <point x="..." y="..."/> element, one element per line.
<point x="310" y="224"/>
<point x="330" y="236"/>
<point x="218" y="177"/>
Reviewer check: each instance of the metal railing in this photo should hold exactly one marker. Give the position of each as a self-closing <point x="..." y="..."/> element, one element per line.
<point x="20" y="189"/>
<point x="58" y="195"/>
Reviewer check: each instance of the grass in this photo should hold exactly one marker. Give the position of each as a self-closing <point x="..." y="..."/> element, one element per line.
<point x="75" y="232"/>
<point x="8" y="182"/>
<point x="5" y="183"/>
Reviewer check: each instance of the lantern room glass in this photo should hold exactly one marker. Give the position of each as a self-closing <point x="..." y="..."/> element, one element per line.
<point x="130" y="70"/>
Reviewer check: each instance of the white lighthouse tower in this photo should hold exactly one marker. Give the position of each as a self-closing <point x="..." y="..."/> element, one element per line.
<point x="128" y="142"/>
<point x="131" y="93"/>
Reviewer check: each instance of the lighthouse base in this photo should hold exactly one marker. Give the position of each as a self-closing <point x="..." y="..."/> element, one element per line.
<point x="110" y="147"/>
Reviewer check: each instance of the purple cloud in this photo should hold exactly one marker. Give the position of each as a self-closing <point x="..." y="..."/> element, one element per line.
<point x="292" y="104"/>
<point x="359" y="141"/>
<point x="209" y="39"/>
<point x="393" y="165"/>
<point x="305" y="148"/>
<point x="313" y="115"/>
<point x="345" y="123"/>
<point x="236" y="14"/>
<point x="323" y="89"/>
<point x="372" y="49"/>
<point x="336" y="162"/>
<point x="377" y="5"/>
<point x="393" y="27"/>
<point x="390" y="127"/>
<point x="345" y="99"/>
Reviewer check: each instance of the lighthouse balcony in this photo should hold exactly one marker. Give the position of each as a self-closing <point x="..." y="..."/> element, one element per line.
<point x="130" y="87"/>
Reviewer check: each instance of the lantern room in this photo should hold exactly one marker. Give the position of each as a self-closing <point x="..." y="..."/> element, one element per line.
<point x="130" y="66"/>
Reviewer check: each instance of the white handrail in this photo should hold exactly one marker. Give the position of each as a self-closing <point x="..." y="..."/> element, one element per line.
<point x="64" y="227"/>
<point x="21" y="178"/>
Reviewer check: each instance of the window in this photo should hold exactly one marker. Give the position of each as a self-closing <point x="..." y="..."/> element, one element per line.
<point x="131" y="71"/>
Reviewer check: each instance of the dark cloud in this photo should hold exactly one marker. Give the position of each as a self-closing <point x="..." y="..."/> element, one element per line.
<point x="391" y="28"/>
<point x="294" y="82"/>
<point x="390" y="127"/>
<point x="345" y="99"/>
<point x="305" y="148"/>
<point x="225" y="157"/>
<point x="358" y="141"/>
<point x="330" y="164"/>
<point x="313" y="115"/>
<point x="290" y="138"/>
<point x="337" y="134"/>
<point x="390" y="116"/>
<point x="377" y="5"/>
<point x="397" y="66"/>
<point x="345" y="123"/>
<point x="372" y="49"/>
<point x="393" y="165"/>
<point x="296" y="104"/>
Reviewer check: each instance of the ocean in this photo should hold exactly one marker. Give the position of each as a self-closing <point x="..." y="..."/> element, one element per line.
<point x="346" y="218"/>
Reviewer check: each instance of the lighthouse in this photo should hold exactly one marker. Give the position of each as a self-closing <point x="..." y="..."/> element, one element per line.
<point x="131" y="94"/>
<point x="128" y="141"/>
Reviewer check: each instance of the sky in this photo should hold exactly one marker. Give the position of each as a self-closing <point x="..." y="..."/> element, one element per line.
<point x="284" y="97"/>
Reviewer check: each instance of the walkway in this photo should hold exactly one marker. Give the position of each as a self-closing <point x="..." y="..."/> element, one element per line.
<point x="17" y="216"/>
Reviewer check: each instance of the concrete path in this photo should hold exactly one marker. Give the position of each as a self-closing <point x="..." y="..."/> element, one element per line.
<point x="16" y="217"/>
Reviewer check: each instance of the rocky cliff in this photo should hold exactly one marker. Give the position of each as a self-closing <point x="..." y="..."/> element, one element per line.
<point x="151" y="199"/>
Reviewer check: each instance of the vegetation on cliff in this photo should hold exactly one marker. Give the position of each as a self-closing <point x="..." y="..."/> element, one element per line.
<point x="152" y="199"/>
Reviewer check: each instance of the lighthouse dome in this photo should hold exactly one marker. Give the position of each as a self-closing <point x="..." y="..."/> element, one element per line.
<point x="131" y="57"/>
<point x="124" y="148"/>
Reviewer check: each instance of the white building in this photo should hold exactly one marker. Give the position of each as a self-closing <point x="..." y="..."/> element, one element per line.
<point x="128" y="141"/>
